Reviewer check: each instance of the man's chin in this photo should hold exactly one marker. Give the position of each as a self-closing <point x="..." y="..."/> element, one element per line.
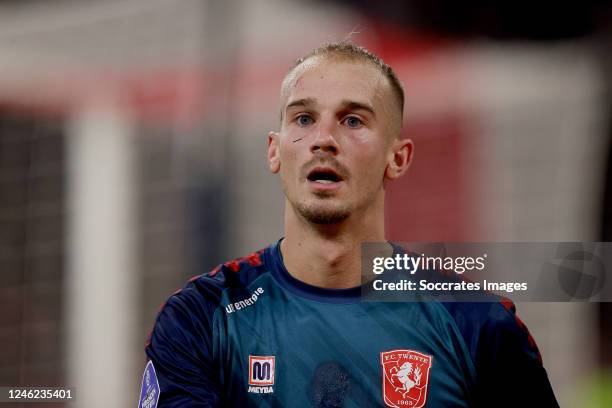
<point x="323" y="216"/>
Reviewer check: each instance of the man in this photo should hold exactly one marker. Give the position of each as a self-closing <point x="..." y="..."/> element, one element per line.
<point x="285" y="326"/>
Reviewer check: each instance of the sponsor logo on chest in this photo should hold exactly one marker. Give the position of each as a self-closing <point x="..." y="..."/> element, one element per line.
<point x="261" y="374"/>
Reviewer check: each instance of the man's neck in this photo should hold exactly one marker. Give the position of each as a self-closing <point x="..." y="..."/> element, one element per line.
<point x="329" y="256"/>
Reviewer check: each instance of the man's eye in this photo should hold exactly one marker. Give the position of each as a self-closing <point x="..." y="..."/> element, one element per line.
<point x="353" y="122"/>
<point x="304" y="120"/>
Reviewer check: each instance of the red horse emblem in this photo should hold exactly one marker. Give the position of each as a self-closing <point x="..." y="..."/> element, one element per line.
<point x="405" y="378"/>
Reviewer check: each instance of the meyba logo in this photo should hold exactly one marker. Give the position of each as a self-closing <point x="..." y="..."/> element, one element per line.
<point x="244" y="303"/>
<point x="261" y="374"/>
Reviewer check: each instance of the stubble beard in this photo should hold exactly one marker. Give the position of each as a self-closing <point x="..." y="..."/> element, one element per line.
<point x="322" y="214"/>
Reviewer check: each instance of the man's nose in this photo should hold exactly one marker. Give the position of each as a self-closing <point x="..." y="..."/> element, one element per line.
<point x="325" y="138"/>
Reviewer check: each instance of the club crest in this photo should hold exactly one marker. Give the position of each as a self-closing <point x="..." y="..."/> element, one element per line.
<point x="405" y="376"/>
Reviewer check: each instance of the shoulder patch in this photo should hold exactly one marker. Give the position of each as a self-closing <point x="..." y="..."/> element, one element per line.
<point x="149" y="391"/>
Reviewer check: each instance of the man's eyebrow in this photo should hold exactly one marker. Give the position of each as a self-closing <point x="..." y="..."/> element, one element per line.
<point x="346" y="104"/>
<point x="353" y="105"/>
<point x="305" y="102"/>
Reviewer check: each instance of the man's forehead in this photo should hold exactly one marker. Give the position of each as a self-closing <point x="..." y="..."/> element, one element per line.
<point x="364" y="85"/>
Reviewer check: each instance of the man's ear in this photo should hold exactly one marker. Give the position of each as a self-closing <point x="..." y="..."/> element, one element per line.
<point x="399" y="159"/>
<point x="273" y="152"/>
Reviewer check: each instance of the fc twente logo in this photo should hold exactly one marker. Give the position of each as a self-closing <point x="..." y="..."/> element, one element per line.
<point x="405" y="377"/>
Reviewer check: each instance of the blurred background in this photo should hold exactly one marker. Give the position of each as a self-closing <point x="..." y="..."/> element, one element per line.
<point x="132" y="157"/>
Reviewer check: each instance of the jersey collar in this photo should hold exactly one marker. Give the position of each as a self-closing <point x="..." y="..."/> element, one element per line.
<point x="275" y="262"/>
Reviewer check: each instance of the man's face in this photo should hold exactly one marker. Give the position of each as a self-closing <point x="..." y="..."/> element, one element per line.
<point x="335" y="141"/>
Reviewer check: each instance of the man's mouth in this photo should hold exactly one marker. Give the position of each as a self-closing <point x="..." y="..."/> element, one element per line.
<point x="324" y="175"/>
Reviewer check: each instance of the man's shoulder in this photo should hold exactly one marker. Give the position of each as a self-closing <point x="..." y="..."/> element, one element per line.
<point x="484" y="324"/>
<point x="244" y="268"/>
<point x="201" y="296"/>
<point x="237" y="273"/>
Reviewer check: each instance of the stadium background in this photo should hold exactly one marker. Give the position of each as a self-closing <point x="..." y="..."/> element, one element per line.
<point x="132" y="157"/>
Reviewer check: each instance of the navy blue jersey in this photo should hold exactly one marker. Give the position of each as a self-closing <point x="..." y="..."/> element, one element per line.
<point x="249" y="334"/>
